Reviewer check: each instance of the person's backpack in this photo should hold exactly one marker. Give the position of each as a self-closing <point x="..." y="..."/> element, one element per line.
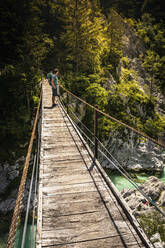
<point x="49" y="77"/>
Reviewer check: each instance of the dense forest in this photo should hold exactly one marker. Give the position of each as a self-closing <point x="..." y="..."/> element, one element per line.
<point x="85" y="40"/>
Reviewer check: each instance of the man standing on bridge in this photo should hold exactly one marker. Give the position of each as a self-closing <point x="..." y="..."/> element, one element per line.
<point x="54" y="83"/>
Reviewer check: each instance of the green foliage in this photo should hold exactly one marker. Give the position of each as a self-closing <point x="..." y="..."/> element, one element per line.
<point x="94" y="78"/>
<point x="135" y="8"/>
<point x="35" y="100"/>
<point x="115" y="32"/>
<point x="106" y="127"/>
<point x="127" y="96"/>
<point x="78" y="84"/>
<point x="128" y="8"/>
<point x="153" y="223"/>
<point x="132" y="105"/>
<point x="97" y="95"/>
<point x="23" y="47"/>
<point x="128" y="74"/>
<point x="154" y="60"/>
<point x="125" y="61"/>
<point x="83" y="37"/>
<point x="155" y="125"/>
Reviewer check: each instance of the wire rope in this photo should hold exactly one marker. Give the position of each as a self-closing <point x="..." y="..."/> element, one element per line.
<point x="126" y="174"/>
<point x="35" y="193"/>
<point x="28" y="205"/>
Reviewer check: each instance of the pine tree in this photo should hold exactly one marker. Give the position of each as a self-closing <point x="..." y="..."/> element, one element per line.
<point x="84" y="36"/>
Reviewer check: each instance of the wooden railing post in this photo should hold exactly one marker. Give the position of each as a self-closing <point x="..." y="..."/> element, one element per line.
<point x="95" y="131"/>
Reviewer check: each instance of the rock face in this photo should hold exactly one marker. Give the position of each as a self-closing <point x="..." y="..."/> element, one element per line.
<point x="8" y="189"/>
<point x="133" y="46"/>
<point x="133" y="155"/>
<point x="125" y="148"/>
<point x="155" y="190"/>
<point x="4" y="182"/>
<point x="157" y="241"/>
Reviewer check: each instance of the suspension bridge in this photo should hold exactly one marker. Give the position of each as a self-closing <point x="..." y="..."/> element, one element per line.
<point x="78" y="205"/>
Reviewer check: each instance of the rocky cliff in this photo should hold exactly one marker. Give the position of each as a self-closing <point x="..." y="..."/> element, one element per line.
<point x="134" y="99"/>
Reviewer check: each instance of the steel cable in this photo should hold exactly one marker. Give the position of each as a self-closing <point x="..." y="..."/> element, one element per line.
<point x="28" y="205"/>
<point x="114" y="119"/>
<point x="17" y="209"/>
<point x="125" y="173"/>
<point x="35" y="186"/>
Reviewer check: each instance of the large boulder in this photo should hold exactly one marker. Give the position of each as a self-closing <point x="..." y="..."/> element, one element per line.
<point x="153" y="188"/>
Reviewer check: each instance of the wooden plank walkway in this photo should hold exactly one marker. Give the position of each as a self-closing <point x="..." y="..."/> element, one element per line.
<point x="76" y="208"/>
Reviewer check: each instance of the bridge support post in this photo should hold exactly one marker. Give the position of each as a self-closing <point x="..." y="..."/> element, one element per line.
<point x="95" y="131"/>
<point x="67" y="102"/>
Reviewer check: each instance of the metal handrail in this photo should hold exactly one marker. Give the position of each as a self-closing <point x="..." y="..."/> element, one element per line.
<point x="97" y="141"/>
<point x="125" y="209"/>
<point x="17" y="209"/>
<point x="118" y="167"/>
<point x="82" y="134"/>
<point x="116" y="120"/>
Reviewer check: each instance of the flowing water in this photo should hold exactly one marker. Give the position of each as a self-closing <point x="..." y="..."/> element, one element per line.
<point x="121" y="182"/>
<point x="29" y="241"/>
<point x="30" y="237"/>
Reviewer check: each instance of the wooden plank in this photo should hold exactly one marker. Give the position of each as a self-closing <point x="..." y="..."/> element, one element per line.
<point x="73" y="188"/>
<point x="52" y="140"/>
<point x="57" y="125"/>
<point x="52" y="121"/>
<point x="109" y="242"/>
<point x="71" y="178"/>
<point x="62" y="149"/>
<point x="69" y="172"/>
<point x="56" y="210"/>
<point x="88" y="229"/>
<point x="75" y="197"/>
<point x="52" y="164"/>
<point x="84" y="181"/>
<point x="62" y="156"/>
<point x="55" y="129"/>
<point x="63" y="174"/>
<point x="78" y="227"/>
<point x="64" y="167"/>
<point x="62" y="143"/>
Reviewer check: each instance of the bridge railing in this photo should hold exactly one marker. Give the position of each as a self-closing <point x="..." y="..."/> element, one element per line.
<point x="119" y="147"/>
<point x="16" y="218"/>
